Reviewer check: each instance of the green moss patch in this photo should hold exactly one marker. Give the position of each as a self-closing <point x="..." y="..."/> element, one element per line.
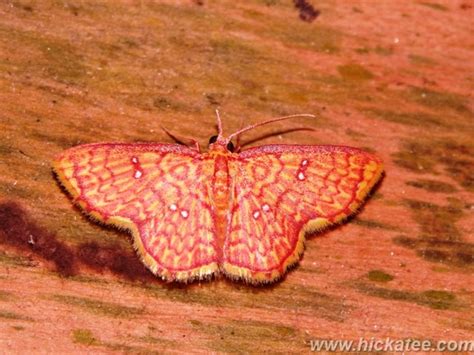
<point x="280" y="297"/>
<point x="99" y="307"/>
<point x="6" y="296"/>
<point x="438" y="299"/>
<point x="436" y="222"/>
<point x="434" y="299"/>
<point x="368" y="223"/>
<point x="383" y="51"/>
<point x="450" y="253"/>
<point x="439" y="100"/>
<point x="419" y="119"/>
<point x="14" y="316"/>
<point x="440" y="240"/>
<point x="379" y="50"/>
<point x="53" y="57"/>
<point x="87" y="338"/>
<point x="250" y="336"/>
<point x="455" y="158"/>
<point x="160" y="342"/>
<point x="432" y="185"/>
<point x="84" y="337"/>
<point x="421" y="60"/>
<point x="15" y="260"/>
<point x="355" y="134"/>
<point x="354" y="72"/>
<point x="379" y="276"/>
<point x="434" y="6"/>
<point x="317" y="38"/>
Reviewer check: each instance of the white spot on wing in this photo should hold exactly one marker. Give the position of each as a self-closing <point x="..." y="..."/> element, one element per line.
<point x="173" y="207"/>
<point x="256" y="214"/>
<point x="138" y="174"/>
<point x="304" y="162"/>
<point x="184" y="214"/>
<point x="301" y="176"/>
<point x="134" y="160"/>
<point x="265" y="208"/>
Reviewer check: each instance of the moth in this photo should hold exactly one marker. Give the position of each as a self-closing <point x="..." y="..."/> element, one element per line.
<point x="241" y="213"/>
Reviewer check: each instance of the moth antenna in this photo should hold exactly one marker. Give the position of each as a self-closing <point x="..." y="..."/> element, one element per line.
<point x="248" y="128"/>
<point x="182" y="140"/>
<point x="219" y="124"/>
<point x="277" y="133"/>
<point x="237" y="141"/>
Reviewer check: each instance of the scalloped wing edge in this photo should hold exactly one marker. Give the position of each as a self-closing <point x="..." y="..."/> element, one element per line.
<point x="213" y="269"/>
<point x="318" y="224"/>
<point x="201" y="273"/>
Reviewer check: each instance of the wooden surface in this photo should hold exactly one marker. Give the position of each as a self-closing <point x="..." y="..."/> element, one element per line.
<point x="395" y="78"/>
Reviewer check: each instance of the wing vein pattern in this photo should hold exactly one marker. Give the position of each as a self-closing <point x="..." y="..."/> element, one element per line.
<point x="280" y="193"/>
<point x="158" y="191"/>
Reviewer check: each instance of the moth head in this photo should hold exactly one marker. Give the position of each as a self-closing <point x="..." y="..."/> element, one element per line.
<point x="224" y="144"/>
<point x="228" y="144"/>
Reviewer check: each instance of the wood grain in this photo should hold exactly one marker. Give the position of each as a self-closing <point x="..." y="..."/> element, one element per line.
<point x="393" y="78"/>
